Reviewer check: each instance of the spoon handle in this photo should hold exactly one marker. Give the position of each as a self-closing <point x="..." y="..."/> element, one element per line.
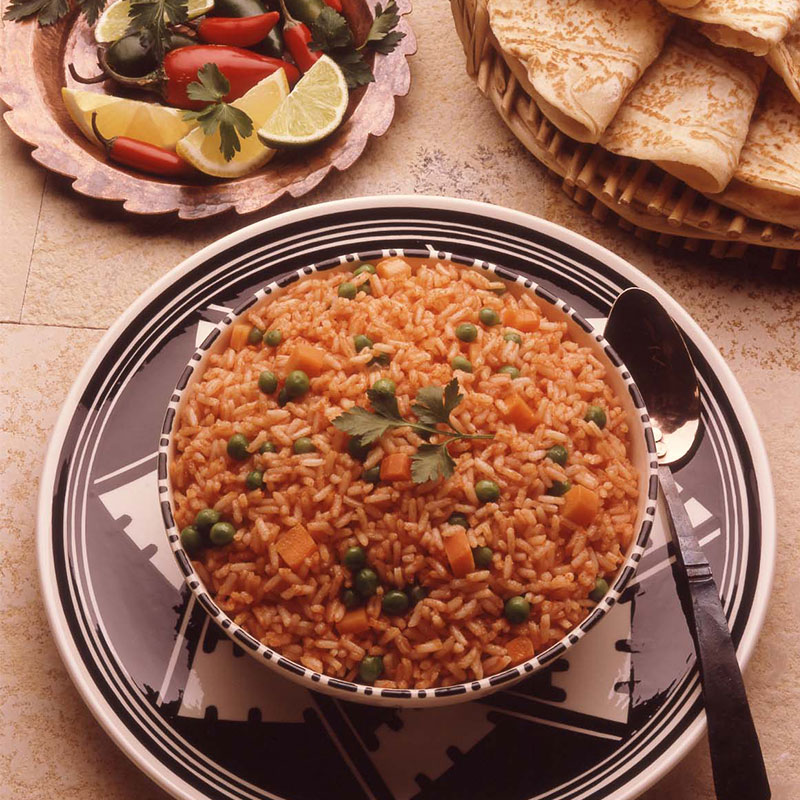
<point x="736" y="760"/>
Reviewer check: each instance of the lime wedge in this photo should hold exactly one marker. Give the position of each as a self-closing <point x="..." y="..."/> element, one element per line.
<point x="312" y="111"/>
<point x="259" y="104"/>
<point x="119" y="116"/>
<point x="114" y="21"/>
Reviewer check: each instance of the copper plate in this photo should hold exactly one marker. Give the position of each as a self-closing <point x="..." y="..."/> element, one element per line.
<point x="34" y="70"/>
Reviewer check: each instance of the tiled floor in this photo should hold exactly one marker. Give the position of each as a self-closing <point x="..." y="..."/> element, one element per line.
<point x="69" y="266"/>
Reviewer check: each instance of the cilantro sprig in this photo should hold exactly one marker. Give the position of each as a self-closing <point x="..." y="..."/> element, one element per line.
<point x="49" y="11"/>
<point x="332" y="35"/>
<point x="433" y="407"/>
<point x="231" y="122"/>
<point x="155" y="17"/>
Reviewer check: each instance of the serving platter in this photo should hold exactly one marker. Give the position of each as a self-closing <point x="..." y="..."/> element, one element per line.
<point x="38" y="116"/>
<point x="205" y="721"/>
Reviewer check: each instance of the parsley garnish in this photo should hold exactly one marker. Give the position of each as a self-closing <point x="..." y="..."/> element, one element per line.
<point x="154" y="16"/>
<point x="433" y="407"/>
<point x="232" y="122"/>
<point x="332" y="35"/>
<point x="50" y="11"/>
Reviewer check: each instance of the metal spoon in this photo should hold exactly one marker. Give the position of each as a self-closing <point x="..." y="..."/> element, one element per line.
<point x="649" y="342"/>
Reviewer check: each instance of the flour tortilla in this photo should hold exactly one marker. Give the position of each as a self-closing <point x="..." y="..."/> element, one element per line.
<point x="766" y="184"/>
<point x="583" y="56"/>
<point x="752" y="25"/>
<point x="690" y="112"/>
<point x="784" y="58"/>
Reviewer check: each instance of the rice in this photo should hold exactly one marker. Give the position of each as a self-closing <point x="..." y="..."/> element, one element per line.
<point x="459" y="631"/>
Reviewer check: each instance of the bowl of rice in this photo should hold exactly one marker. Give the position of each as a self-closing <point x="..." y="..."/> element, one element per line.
<point x="408" y="480"/>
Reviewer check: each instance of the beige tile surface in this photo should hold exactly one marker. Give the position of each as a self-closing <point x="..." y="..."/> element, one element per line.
<point x="83" y="262"/>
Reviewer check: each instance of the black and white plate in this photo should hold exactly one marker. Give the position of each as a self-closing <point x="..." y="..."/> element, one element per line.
<point x="204" y="721"/>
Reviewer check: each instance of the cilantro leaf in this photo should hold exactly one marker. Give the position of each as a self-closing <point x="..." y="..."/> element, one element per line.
<point x="154" y="16"/>
<point x="430" y="462"/>
<point x="388" y="43"/>
<point x="330" y="31"/>
<point x="47" y="11"/>
<point x="356" y="71"/>
<point x="434" y="406"/>
<point x="386" y="20"/>
<point x="364" y="424"/>
<point x="385" y="405"/>
<point x="231" y="122"/>
<point x="91" y="9"/>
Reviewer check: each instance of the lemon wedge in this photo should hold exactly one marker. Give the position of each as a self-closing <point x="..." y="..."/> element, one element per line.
<point x="202" y="151"/>
<point x="313" y="110"/>
<point x="119" y="116"/>
<point x="114" y="21"/>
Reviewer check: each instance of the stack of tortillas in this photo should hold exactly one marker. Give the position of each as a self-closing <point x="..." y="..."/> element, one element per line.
<point x="709" y="90"/>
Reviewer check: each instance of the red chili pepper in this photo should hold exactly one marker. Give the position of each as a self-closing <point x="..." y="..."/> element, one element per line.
<point x="140" y="155"/>
<point x="242" y="68"/>
<point x="237" y="31"/>
<point x="296" y="35"/>
<point x="336" y="5"/>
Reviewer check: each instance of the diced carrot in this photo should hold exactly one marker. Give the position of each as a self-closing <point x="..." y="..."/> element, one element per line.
<point x="307" y="358"/>
<point x="459" y="554"/>
<point x="355" y="621"/>
<point x="581" y="505"/>
<point x="520" y="413"/>
<point x="295" y="546"/>
<point x="396" y="467"/>
<point x="239" y="335"/>
<point x="393" y="268"/>
<point x="520" y="649"/>
<point x="523" y="319"/>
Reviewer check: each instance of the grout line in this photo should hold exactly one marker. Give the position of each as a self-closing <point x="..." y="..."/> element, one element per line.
<point x="33" y="248"/>
<point x="53" y="325"/>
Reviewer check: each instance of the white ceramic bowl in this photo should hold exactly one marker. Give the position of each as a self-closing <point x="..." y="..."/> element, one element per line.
<point x="642" y="455"/>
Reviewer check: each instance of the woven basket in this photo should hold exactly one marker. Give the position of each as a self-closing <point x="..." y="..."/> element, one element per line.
<point x="638" y="195"/>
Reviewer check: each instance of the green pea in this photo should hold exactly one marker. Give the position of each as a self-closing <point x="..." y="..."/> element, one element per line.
<point x="512" y="336"/>
<point x="498" y="290"/>
<point x="222" y="533"/>
<point x="255" y="336"/>
<point x="382" y="360"/>
<point x="372" y="475"/>
<point x="192" y="540"/>
<point x="350" y="599"/>
<point x="509" y="369"/>
<point x="385" y="386"/>
<point x="254" y="480"/>
<point x="362" y="268"/>
<point x="303" y="445"/>
<point x="366" y="582"/>
<point x="205" y="519"/>
<point x="462" y="364"/>
<point x="482" y="557"/>
<point x="416" y="594"/>
<point x="370" y="668"/>
<point x="394" y="603"/>
<point x="365" y="287"/>
<point x="487" y="491"/>
<point x="558" y="453"/>
<point x="458" y="519"/>
<point x="517" y="610"/>
<point x="297" y="383"/>
<point x="267" y="382"/>
<point x="357" y="450"/>
<point x="600" y="588"/>
<point x="467" y="332"/>
<point x="347" y="290"/>
<point x="488" y="316"/>
<point x="283" y="397"/>
<point x="360" y="341"/>
<point x="354" y="558"/>
<point x="267" y="447"/>
<point x="273" y="338"/>
<point x="597" y="415"/>
<point x="559" y="488"/>
<point x="237" y="447"/>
